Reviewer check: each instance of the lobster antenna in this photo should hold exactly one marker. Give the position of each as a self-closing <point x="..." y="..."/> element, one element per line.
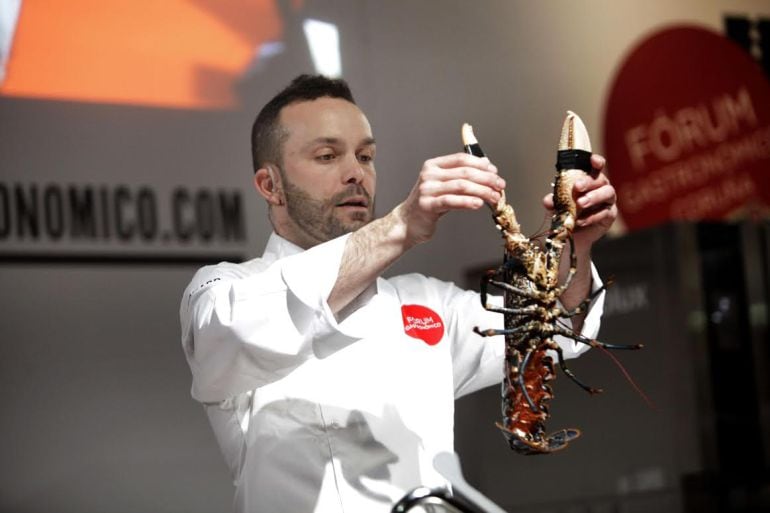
<point x="628" y="377"/>
<point x="541" y="230"/>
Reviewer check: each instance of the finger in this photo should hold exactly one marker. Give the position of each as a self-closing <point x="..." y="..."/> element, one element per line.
<point x="446" y="202"/>
<point x="437" y="188"/>
<point x="605" y="195"/>
<point x="548" y="201"/>
<point x="462" y="159"/>
<point x="598" y="162"/>
<point x="604" y="215"/>
<point x="588" y="182"/>
<point x="437" y="174"/>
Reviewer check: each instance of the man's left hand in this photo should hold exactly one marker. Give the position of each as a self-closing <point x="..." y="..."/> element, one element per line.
<point x="596" y="205"/>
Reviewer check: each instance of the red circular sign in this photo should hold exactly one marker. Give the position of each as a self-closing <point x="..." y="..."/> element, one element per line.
<point x="687" y="130"/>
<point x="423" y="323"/>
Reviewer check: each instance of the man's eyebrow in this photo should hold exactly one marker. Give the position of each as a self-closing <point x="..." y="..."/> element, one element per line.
<point x="326" y="140"/>
<point x="322" y="141"/>
<point x="334" y="141"/>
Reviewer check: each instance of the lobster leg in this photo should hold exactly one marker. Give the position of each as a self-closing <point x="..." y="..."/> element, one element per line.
<point x="560" y="355"/>
<point x="494" y="332"/>
<point x="558" y="330"/>
<point x="530" y="326"/>
<point x="527" y="310"/>
<point x="484" y="294"/>
<point x="583" y="306"/>
<point x="520" y="381"/>
<point x="572" y="267"/>
<point x="529" y="294"/>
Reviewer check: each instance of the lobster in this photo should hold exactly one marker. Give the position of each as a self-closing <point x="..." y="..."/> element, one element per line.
<point x="529" y="281"/>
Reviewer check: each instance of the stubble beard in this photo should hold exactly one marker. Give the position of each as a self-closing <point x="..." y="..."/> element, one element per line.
<point x="319" y="219"/>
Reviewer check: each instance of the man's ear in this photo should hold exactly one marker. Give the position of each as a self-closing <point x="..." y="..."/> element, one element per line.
<point x="268" y="184"/>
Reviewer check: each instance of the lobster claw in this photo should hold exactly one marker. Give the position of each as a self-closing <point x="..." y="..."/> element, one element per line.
<point x="574" y="134"/>
<point x="573" y="158"/>
<point x="574" y="151"/>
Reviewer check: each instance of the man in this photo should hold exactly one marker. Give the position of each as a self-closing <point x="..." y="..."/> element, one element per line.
<point x="328" y="387"/>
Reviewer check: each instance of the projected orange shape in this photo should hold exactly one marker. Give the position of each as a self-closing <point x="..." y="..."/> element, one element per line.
<point x="169" y="53"/>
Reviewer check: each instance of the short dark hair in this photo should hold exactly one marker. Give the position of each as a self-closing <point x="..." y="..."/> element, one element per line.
<point x="267" y="137"/>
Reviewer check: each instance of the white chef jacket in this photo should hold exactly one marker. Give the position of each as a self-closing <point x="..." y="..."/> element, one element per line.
<point x="314" y="414"/>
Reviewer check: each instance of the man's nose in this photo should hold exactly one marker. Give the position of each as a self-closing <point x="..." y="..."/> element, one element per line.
<point x="353" y="171"/>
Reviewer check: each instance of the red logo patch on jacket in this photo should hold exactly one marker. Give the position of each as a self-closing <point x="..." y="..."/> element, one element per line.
<point x="423" y="323"/>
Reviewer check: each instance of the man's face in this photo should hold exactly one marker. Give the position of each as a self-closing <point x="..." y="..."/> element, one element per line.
<point x="328" y="170"/>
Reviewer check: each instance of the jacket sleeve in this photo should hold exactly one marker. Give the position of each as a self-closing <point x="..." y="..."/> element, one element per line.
<point x="478" y="361"/>
<point x="241" y="331"/>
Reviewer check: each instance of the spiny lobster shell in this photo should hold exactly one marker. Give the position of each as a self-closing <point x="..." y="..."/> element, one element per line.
<point x="529" y="278"/>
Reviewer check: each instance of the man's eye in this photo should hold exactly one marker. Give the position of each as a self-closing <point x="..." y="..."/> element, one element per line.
<point x="366" y="158"/>
<point x="326" y="157"/>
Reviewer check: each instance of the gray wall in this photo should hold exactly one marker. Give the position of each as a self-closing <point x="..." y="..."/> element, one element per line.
<point x="95" y="391"/>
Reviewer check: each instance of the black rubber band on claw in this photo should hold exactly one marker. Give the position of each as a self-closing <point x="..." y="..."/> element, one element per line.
<point x="574" y="159"/>
<point x="474" y="149"/>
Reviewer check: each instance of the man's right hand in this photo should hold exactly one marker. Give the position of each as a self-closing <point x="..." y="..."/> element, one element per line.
<point x="452" y="182"/>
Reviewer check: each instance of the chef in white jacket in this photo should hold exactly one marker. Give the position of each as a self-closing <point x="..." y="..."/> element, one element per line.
<point x="328" y="387"/>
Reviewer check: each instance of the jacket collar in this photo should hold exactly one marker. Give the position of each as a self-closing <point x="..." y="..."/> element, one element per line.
<point x="277" y="247"/>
